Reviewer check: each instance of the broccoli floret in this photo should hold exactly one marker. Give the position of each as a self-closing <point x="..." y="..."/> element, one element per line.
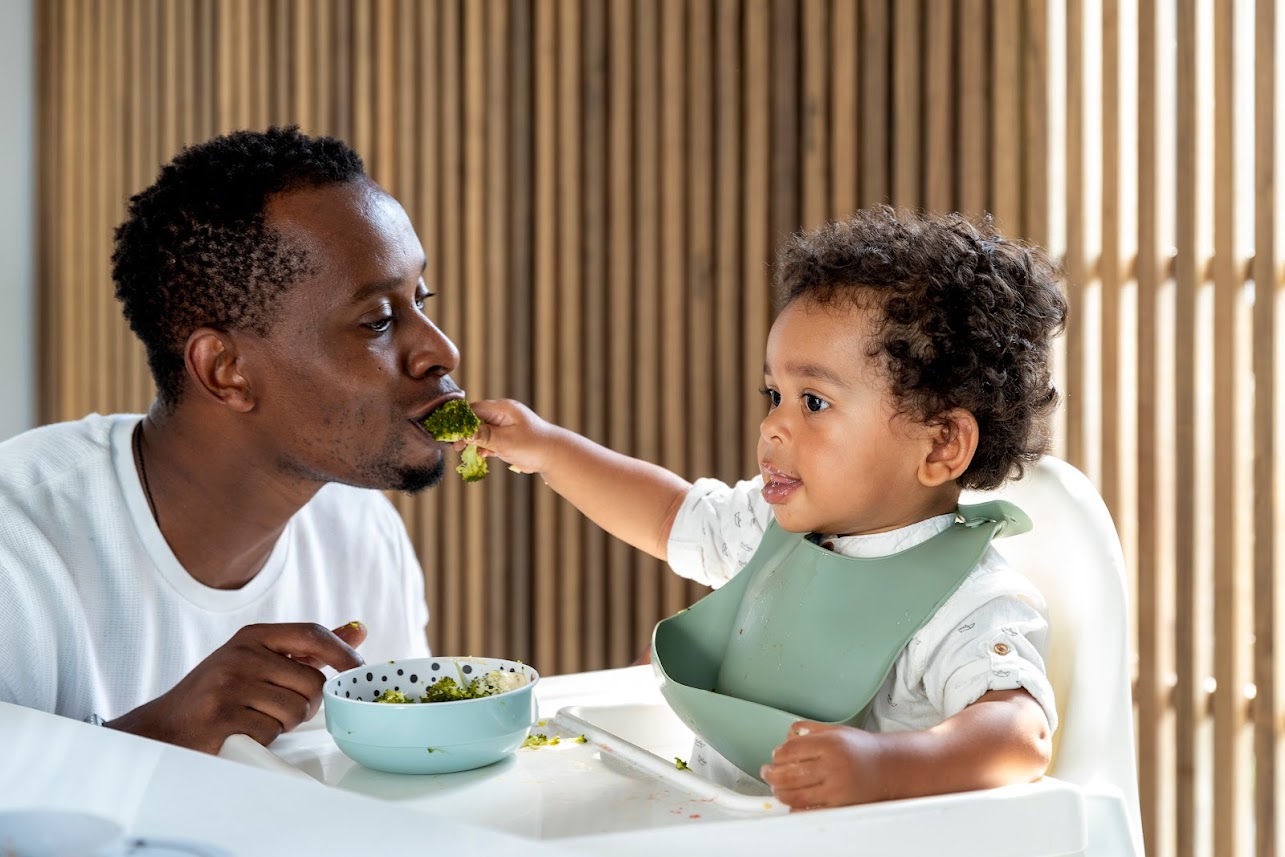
<point x="453" y="421"/>
<point x="472" y="466"/>
<point x="445" y="690"/>
<point x="393" y="697"/>
<point x="539" y="739"/>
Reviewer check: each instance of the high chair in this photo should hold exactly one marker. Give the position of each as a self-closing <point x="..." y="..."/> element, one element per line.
<point x="1073" y="556"/>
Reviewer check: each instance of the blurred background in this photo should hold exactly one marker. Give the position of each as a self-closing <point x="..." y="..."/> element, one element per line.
<point x="599" y="185"/>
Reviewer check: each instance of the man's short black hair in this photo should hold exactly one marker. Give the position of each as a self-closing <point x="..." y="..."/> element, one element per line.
<point x="194" y="250"/>
<point x="964" y="319"/>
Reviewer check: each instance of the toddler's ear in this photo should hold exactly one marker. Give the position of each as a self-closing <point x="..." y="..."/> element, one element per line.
<point x="953" y="438"/>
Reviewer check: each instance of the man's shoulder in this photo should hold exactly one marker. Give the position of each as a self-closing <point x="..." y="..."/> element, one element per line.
<point x="56" y="450"/>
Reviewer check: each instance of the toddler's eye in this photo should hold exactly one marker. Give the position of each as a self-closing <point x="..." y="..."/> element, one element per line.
<point x="773" y="397"/>
<point x="815" y="403"/>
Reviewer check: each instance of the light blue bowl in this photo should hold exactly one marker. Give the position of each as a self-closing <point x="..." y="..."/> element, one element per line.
<point x="433" y="737"/>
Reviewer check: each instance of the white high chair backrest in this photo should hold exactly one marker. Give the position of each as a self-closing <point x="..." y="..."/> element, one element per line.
<point x="1073" y="556"/>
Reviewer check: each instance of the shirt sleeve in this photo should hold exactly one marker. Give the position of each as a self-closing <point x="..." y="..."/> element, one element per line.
<point x="717" y="530"/>
<point x="990" y="635"/>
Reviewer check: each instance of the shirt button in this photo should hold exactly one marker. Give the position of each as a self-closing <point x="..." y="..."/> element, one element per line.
<point x="1001" y="649"/>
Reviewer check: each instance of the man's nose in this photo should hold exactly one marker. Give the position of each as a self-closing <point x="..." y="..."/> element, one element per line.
<point x="432" y="352"/>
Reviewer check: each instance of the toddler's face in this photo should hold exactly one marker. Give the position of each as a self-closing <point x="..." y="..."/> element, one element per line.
<point x="836" y="457"/>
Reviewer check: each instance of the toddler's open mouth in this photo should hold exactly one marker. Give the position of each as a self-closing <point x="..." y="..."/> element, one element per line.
<point x="777" y="486"/>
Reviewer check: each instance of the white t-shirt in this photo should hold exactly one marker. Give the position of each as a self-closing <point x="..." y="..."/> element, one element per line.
<point x="97" y="616"/>
<point x="990" y="634"/>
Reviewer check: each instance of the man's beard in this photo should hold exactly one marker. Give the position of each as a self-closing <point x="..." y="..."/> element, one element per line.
<point x="413" y="480"/>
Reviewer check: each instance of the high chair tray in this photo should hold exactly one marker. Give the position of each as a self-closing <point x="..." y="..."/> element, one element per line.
<point x="620" y="792"/>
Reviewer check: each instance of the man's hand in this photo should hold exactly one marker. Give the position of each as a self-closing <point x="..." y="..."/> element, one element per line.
<point x="264" y="681"/>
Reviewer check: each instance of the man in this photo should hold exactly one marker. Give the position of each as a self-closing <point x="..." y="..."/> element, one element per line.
<point x="176" y="575"/>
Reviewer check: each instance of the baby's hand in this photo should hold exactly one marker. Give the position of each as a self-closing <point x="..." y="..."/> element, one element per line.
<point x="513" y="433"/>
<point x="823" y="765"/>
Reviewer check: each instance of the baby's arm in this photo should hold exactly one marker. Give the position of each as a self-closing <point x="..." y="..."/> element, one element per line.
<point x="633" y="500"/>
<point x="1000" y="739"/>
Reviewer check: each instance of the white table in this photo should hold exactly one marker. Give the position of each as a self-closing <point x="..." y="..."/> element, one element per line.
<point x="617" y="794"/>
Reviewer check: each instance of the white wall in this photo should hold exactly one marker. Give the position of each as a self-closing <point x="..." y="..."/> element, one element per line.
<point x="18" y="322"/>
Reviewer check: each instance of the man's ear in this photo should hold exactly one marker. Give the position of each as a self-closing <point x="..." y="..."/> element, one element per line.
<point x="215" y="364"/>
<point x="953" y="436"/>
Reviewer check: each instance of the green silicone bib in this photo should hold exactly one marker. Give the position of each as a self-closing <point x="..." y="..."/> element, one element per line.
<point x="805" y="633"/>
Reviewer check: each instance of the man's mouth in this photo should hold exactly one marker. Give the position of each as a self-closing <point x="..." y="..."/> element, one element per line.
<point x="417" y="418"/>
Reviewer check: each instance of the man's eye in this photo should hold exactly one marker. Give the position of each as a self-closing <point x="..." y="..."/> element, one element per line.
<point x="815" y="403"/>
<point x="381" y="325"/>
<point x="773" y="397"/>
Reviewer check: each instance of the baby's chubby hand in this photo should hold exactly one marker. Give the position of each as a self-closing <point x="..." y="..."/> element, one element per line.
<point x="513" y="433"/>
<point x="825" y="765"/>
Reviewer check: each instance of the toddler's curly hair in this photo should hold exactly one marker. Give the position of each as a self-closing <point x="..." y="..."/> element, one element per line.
<point x="964" y="318"/>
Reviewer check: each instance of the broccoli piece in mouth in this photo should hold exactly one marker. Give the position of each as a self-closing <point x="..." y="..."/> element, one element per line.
<point x="454" y="421"/>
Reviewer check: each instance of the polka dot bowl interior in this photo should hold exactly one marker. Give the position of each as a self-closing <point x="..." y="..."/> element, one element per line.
<point x="428" y="737"/>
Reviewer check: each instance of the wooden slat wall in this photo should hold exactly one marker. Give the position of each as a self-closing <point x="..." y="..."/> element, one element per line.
<point x="599" y="185"/>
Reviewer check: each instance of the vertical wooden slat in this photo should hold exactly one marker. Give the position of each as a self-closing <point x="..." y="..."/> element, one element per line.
<point x="1110" y="267"/>
<point x="1036" y="76"/>
<point x="302" y="79"/>
<point x="340" y="47"/>
<point x="939" y="106"/>
<point x="756" y="235"/>
<point x="1229" y="624"/>
<point x="733" y="388"/>
<point x="429" y="542"/>
<point x="383" y="97"/>
<point x="783" y="204"/>
<point x="520" y="281"/>
<point x="49" y="272"/>
<point x="675" y="421"/>
<point x="647" y="121"/>
<point x="322" y="71"/>
<point x="596" y="287"/>
<point x="571" y="309"/>
<point x="701" y="368"/>
<point x="1266" y="355"/>
<point x="973" y="152"/>
<point x="103" y="378"/>
<point x="1077" y="265"/>
<point x="451" y="609"/>
<point x="814" y="125"/>
<point x="493" y="313"/>
<point x="1187" y="277"/>
<point x="623" y="644"/>
<point x="907" y="103"/>
<point x="364" y="95"/>
<point x="845" y="136"/>
<point x="80" y="317"/>
<point x="546" y="316"/>
<point x="475" y="322"/>
<point x="1006" y="116"/>
<point x="875" y="38"/>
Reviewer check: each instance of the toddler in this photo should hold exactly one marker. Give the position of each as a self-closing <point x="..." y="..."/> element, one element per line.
<point x="908" y="361"/>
